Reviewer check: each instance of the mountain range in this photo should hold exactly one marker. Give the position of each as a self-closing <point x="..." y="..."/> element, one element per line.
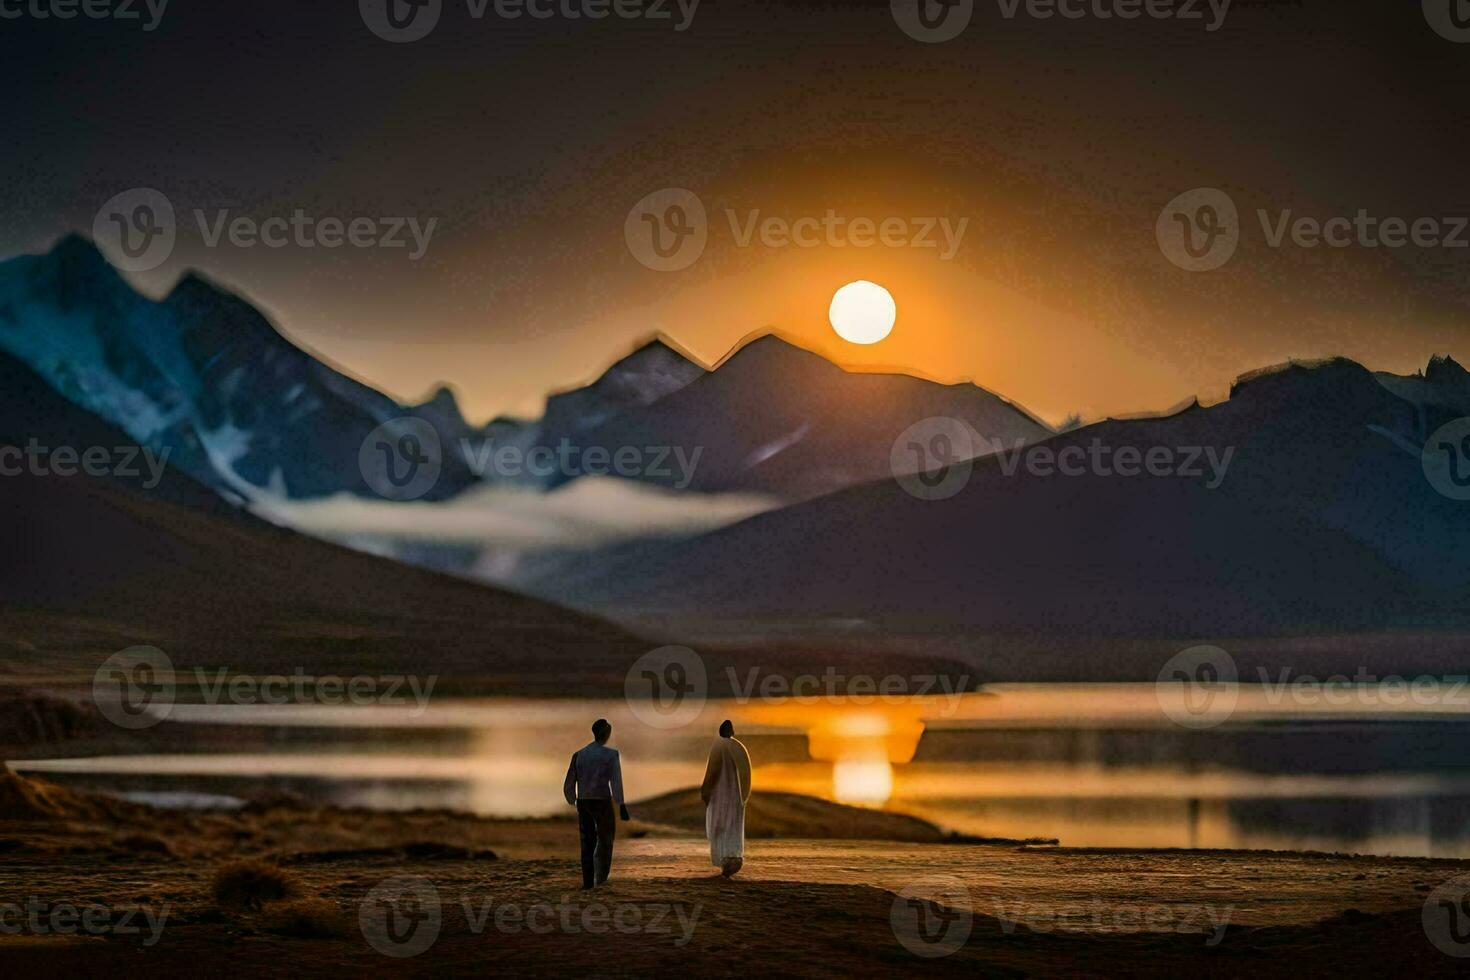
<point x="95" y="563"/>
<point x="1297" y="509"/>
<point x="205" y="375"/>
<point x="1323" y="522"/>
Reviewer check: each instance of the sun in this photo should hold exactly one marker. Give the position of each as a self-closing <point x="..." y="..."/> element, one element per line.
<point x="862" y="312"/>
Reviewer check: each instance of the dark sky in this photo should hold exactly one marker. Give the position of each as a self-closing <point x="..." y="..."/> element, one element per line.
<point x="1059" y="141"/>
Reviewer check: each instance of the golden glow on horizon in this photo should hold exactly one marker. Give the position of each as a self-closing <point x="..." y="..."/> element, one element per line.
<point x="862" y="312"/>
<point x="862" y="781"/>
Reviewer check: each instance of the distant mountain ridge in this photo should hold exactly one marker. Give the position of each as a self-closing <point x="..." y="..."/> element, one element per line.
<point x="202" y="372"/>
<point x="1324" y="522"/>
<point x="99" y="562"/>
<point x="775" y="418"/>
<point x="246" y="411"/>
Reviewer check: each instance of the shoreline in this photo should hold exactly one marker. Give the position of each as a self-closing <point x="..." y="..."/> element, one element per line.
<point x="811" y="900"/>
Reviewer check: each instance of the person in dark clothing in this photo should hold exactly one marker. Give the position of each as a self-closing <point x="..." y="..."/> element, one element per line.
<point x="594" y="783"/>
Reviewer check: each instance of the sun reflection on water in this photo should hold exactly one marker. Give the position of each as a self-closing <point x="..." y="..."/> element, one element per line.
<point x="867" y="782"/>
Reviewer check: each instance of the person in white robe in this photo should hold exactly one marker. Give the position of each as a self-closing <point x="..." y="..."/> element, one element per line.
<point x="725" y="792"/>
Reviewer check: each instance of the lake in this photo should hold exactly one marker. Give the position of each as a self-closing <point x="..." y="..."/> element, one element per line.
<point x="1092" y="765"/>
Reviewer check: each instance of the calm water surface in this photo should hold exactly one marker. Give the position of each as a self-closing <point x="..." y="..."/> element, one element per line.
<point x="1093" y="765"/>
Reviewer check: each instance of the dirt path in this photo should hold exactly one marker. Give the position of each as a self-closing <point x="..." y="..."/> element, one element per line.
<point x="367" y="888"/>
<point x="814" y="908"/>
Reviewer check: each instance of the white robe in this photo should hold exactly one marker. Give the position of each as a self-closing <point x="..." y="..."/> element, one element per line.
<point x="724" y="816"/>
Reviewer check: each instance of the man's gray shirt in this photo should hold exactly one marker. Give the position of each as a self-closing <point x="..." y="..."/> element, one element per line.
<point x="596" y="773"/>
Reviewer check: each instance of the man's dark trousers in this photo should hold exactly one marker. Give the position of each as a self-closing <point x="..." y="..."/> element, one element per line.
<point x="599" y="827"/>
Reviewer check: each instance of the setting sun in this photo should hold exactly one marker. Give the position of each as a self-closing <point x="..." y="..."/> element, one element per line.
<point x="863" y="312"/>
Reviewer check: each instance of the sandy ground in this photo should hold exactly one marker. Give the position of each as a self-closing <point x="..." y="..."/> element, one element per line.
<point x="799" y="907"/>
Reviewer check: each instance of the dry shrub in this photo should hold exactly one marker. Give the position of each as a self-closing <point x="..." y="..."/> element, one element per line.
<point x="251" y="884"/>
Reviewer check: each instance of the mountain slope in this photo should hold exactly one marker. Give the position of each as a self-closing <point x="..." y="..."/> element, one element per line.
<point x="776" y="419"/>
<point x="95" y="563"/>
<point x="202" y="372"/>
<point x="1323" y="522"/>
